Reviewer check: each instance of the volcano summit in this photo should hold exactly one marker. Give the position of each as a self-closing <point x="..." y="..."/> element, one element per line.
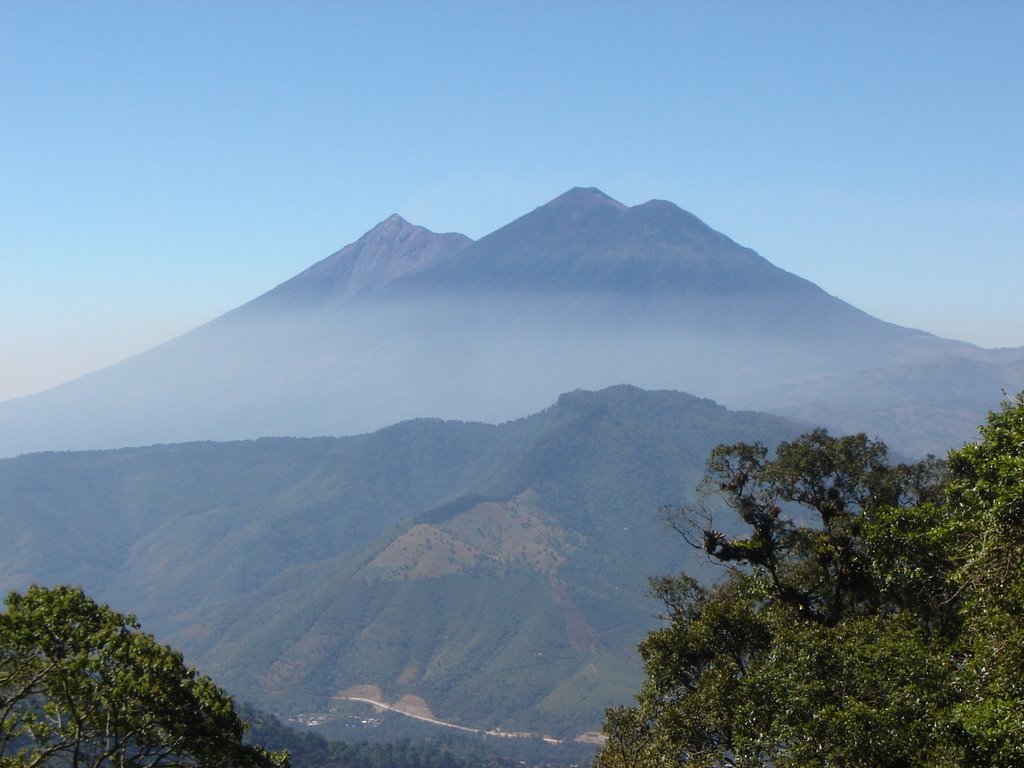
<point x="582" y="292"/>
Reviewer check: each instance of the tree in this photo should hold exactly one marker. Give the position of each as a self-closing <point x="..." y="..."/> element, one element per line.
<point x="830" y="640"/>
<point x="986" y="500"/>
<point x="81" y="685"/>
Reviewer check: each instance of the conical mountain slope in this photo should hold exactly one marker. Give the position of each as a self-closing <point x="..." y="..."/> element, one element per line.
<point x="582" y="292"/>
<point x="392" y="249"/>
<point x="654" y="258"/>
<point x="585" y="242"/>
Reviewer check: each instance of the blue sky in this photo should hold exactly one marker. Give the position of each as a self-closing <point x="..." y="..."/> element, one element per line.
<point x="163" y="162"/>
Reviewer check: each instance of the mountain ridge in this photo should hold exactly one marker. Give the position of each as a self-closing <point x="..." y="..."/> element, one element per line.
<point x="581" y="292"/>
<point x="496" y="572"/>
<point x="577" y="227"/>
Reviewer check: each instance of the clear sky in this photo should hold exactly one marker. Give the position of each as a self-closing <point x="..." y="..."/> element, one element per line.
<point x="163" y="162"/>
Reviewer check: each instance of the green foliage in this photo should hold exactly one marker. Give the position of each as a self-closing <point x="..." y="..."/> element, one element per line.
<point x="885" y="630"/>
<point x="869" y="691"/>
<point x="828" y="642"/>
<point x="913" y="554"/>
<point x="81" y="685"/>
<point x="986" y="499"/>
<point x="816" y="563"/>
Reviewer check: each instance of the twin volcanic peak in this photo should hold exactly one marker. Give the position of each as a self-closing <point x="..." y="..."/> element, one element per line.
<point x="582" y="241"/>
<point x="582" y="260"/>
<point x="582" y="292"/>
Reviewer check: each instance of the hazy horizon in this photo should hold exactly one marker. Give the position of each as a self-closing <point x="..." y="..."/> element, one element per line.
<point x="169" y="162"/>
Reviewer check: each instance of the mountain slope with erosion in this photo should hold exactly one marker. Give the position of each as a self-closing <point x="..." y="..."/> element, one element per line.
<point x="497" y="573"/>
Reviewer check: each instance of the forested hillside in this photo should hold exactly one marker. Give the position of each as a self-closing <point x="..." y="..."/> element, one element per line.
<point x="872" y="615"/>
<point x="495" y="573"/>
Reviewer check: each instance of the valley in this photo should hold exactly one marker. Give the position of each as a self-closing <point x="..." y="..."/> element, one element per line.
<point x="417" y="709"/>
<point x="497" y="572"/>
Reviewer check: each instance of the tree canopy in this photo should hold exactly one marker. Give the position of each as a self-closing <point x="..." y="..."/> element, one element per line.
<point x="871" y="613"/>
<point x="82" y="686"/>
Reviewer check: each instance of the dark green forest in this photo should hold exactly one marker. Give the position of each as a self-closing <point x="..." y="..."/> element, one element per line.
<point x="311" y="750"/>
<point x="82" y="686"/>
<point x="870" y="614"/>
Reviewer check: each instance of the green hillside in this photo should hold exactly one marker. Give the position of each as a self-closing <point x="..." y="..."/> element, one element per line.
<point x="486" y="576"/>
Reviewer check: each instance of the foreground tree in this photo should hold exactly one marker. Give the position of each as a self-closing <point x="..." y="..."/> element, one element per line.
<point x="872" y="614"/>
<point x="986" y="500"/>
<point x="831" y="639"/>
<point x="82" y="686"/>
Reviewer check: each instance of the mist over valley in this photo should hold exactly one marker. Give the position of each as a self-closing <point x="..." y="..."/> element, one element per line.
<point x="582" y="292"/>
